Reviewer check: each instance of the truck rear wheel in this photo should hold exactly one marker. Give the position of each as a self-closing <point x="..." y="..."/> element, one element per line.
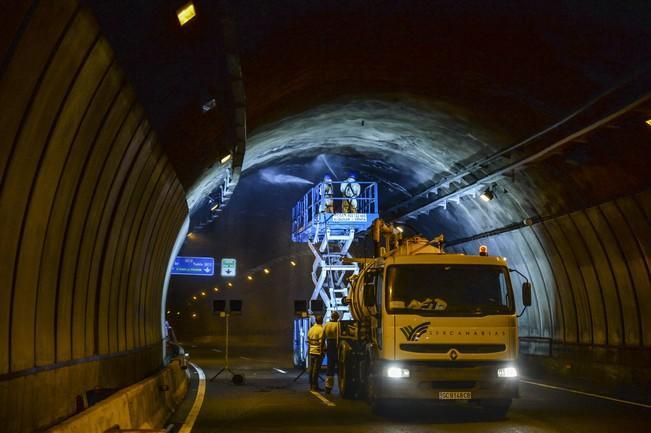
<point x="496" y="409"/>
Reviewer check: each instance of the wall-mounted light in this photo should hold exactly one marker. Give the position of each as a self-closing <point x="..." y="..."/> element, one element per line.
<point x="249" y="277"/>
<point x="226" y="158"/>
<point x="186" y="13"/>
<point x="215" y="289"/>
<point x="292" y="262"/>
<point x="214" y="207"/>
<point x="209" y="105"/>
<point x="648" y="122"/>
<point x="487" y="195"/>
<point x="194" y="298"/>
<point x="194" y="315"/>
<point x="203" y="293"/>
<point x="229" y="284"/>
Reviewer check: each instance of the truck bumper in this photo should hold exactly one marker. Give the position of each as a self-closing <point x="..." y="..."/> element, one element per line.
<point x="443" y="381"/>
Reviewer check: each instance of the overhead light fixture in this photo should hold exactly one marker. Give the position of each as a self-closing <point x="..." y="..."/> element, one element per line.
<point x="194" y="298"/>
<point x="487" y="195"/>
<point x="229" y="284"/>
<point x="400" y="229"/>
<point x="194" y="315"/>
<point x="186" y="13"/>
<point x="226" y="158"/>
<point x="215" y="289"/>
<point x="203" y="293"/>
<point x="648" y="122"/>
<point x="249" y="277"/>
<point x="292" y="262"/>
<point x="267" y="271"/>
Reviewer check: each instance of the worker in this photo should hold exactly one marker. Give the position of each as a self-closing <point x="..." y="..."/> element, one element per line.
<point x="350" y="189"/>
<point x="331" y="331"/>
<point x="326" y="193"/>
<point x="316" y="340"/>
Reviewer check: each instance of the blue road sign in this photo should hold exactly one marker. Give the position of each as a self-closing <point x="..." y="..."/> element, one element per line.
<point x="200" y="266"/>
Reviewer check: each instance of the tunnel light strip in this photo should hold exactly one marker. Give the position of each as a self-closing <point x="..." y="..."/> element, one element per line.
<point x="472" y="188"/>
<point x="198" y="401"/>
<point x="588" y="394"/>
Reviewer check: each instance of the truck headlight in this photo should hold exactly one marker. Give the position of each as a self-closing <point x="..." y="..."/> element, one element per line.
<point x="397" y="372"/>
<point x="507" y="372"/>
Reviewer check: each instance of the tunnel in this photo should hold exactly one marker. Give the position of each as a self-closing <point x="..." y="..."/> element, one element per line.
<point x="128" y="139"/>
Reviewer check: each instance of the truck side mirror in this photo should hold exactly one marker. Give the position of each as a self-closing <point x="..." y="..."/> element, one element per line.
<point x="526" y="294"/>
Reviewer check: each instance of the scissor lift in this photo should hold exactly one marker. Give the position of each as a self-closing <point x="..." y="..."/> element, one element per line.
<point x="318" y="220"/>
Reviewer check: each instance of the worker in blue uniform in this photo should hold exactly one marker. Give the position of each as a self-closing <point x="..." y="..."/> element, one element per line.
<point x="316" y="343"/>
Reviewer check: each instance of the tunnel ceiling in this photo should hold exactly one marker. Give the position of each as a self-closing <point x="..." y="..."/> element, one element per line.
<point x="504" y="71"/>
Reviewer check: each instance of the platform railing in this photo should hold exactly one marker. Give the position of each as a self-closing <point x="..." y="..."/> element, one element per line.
<point x="314" y="202"/>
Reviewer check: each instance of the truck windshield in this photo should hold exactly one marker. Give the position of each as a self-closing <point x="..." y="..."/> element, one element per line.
<point x="448" y="290"/>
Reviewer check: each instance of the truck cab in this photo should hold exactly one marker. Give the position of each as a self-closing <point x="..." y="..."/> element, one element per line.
<point x="432" y="326"/>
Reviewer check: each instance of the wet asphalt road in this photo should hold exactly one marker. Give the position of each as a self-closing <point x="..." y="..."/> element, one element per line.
<point x="271" y="402"/>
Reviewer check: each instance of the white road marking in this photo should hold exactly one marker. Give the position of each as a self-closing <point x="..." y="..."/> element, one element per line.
<point x="280" y="371"/>
<point x="216" y="350"/>
<point x="245" y="358"/>
<point x="198" y="401"/>
<point x="543" y="385"/>
<point x="322" y="398"/>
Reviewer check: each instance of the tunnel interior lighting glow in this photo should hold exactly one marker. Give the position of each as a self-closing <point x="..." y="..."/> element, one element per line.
<point x="487" y="195"/>
<point x="397" y="372"/>
<point x="226" y="158"/>
<point x="267" y="271"/>
<point x="186" y="13"/>
<point x="194" y="315"/>
<point x="507" y="372"/>
<point x="215" y="289"/>
<point x="400" y="229"/>
<point x="194" y="297"/>
<point x="215" y="207"/>
<point x="203" y="293"/>
<point x="292" y="262"/>
<point x="648" y="122"/>
<point x="249" y="277"/>
<point x="229" y="284"/>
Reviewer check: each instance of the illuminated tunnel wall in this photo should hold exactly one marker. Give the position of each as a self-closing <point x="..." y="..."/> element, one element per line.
<point x="90" y="208"/>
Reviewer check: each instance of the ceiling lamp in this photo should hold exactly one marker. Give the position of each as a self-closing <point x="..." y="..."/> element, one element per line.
<point x="648" y="122"/>
<point x="186" y="13"/>
<point x="267" y="271"/>
<point x="487" y="195"/>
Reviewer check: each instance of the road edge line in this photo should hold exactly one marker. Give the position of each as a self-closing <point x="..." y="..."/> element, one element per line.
<point x="589" y="394"/>
<point x="323" y="399"/>
<point x="198" y="401"/>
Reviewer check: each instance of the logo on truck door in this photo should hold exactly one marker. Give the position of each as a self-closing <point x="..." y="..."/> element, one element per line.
<point x="413" y="334"/>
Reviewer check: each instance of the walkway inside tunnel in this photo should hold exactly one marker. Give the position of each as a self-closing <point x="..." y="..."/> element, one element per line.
<point x="130" y="136"/>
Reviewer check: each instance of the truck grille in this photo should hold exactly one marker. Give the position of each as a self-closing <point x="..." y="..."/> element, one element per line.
<point x="445" y="348"/>
<point x="453" y="384"/>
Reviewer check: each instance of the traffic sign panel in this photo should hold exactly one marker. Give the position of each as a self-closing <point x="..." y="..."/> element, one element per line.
<point x="229" y="267"/>
<point x="198" y="266"/>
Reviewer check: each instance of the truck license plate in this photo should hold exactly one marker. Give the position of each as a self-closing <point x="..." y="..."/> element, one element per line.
<point x="446" y="395"/>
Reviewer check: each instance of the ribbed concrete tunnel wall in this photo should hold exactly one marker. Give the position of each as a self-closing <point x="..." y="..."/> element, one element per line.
<point x="89" y="211"/>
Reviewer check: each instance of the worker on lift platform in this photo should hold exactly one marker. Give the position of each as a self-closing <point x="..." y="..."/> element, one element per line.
<point x="326" y="193"/>
<point x="350" y="189"/>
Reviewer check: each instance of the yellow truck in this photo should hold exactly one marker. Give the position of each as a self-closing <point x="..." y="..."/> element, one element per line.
<point x="430" y="325"/>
